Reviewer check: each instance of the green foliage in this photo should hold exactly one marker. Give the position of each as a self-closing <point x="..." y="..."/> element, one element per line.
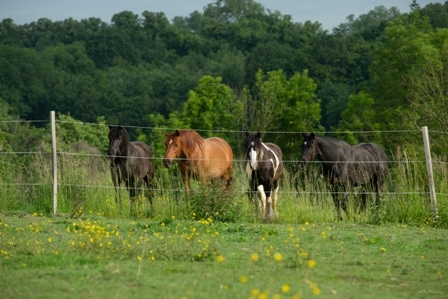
<point x="212" y="202"/>
<point x="360" y="116"/>
<point x="282" y="104"/>
<point x="210" y="108"/>
<point x="17" y="136"/>
<point x="410" y="69"/>
<point x="70" y="131"/>
<point x="162" y="126"/>
<point x="141" y="65"/>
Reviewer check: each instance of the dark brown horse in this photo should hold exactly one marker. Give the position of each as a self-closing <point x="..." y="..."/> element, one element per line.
<point x="130" y="162"/>
<point x="264" y="167"/>
<point x="345" y="166"/>
<point x="199" y="158"/>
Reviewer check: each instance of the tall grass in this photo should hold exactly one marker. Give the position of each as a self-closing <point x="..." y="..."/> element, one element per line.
<point x="85" y="188"/>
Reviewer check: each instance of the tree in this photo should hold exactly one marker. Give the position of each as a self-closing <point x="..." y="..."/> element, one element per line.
<point x="71" y="131"/>
<point x="360" y="116"/>
<point x="213" y="107"/>
<point x="285" y="105"/>
<point x="437" y="14"/>
<point x="410" y="73"/>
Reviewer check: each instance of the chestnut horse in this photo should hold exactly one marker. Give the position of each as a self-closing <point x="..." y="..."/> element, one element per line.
<point x="199" y="158"/>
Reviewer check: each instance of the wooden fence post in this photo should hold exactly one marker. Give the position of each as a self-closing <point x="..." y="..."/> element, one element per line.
<point x="432" y="192"/>
<point x="55" y="166"/>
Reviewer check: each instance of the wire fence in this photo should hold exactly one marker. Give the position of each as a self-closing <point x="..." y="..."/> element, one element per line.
<point x="238" y="161"/>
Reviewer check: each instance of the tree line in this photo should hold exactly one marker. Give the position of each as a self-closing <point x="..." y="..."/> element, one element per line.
<point x="235" y="65"/>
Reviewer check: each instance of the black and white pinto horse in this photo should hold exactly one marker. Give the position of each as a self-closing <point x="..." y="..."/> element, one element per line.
<point x="346" y="166"/>
<point x="263" y="168"/>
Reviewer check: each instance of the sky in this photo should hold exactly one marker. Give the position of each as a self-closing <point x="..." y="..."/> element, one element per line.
<point x="329" y="13"/>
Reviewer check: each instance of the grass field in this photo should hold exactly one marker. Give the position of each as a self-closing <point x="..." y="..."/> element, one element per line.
<point x="215" y="247"/>
<point x="96" y="257"/>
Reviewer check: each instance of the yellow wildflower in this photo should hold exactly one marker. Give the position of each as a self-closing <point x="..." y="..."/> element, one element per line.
<point x="278" y="257"/>
<point x="311" y="264"/>
<point x="254" y="257"/>
<point x="285" y="288"/>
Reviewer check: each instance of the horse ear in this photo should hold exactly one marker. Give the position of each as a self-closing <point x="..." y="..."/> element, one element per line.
<point x="258" y="134"/>
<point x="306" y="135"/>
<point x="312" y="135"/>
<point x="177" y="133"/>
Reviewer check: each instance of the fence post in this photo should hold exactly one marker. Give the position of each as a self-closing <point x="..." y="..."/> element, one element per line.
<point x="55" y="167"/>
<point x="432" y="192"/>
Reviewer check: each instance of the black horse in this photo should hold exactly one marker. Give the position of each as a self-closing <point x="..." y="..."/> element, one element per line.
<point x="130" y="162"/>
<point x="264" y="167"/>
<point x="345" y="166"/>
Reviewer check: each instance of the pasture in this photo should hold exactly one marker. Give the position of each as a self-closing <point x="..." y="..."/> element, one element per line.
<point x="97" y="257"/>
<point x="215" y="246"/>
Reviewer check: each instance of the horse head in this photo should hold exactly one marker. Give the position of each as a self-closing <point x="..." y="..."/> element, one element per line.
<point x="173" y="148"/>
<point x="252" y="147"/>
<point x="309" y="149"/>
<point x="118" y="139"/>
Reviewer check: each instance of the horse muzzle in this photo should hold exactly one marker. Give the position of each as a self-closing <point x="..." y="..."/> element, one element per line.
<point x="167" y="163"/>
<point x="253" y="165"/>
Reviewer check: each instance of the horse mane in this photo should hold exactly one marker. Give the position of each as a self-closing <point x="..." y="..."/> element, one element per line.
<point x="334" y="141"/>
<point x="116" y="131"/>
<point x="190" y="140"/>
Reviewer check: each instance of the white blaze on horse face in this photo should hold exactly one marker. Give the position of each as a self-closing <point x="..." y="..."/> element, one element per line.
<point x="253" y="157"/>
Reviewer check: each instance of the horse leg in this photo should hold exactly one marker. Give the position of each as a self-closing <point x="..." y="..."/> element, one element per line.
<point x="252" y="190"/>
<point x="340" y="202"/>
<point x="131" y="185"/>
<point x="228" y="177"/>
<point x="274" y="198"/>
<point x="149" y="188"/>
<point x="186" y="181"/>
<point x="268" y="212"/>
<point x="337" y="204"/>
<point x="117" y="182"/>
<point x="344" y="204"/>
<point x="377" y="191"/>
<point x="363" y="205"/>
<point x="262" y="196"/>
<point x="268" y="208"/>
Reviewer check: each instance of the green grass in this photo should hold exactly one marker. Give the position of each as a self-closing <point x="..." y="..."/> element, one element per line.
<point x="96" y="257"/>
<point x="85" y="187"/>
<point x="213" y="245"/>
